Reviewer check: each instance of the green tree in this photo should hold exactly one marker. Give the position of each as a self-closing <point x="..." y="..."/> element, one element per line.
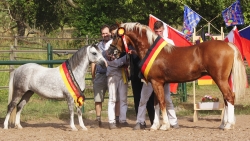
<point x="93" y="14"/>
<point x="44" y="15"/>
<point x="87" y="16"/>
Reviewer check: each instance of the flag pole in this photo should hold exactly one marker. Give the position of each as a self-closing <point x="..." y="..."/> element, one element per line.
<point x="244" y="28"/>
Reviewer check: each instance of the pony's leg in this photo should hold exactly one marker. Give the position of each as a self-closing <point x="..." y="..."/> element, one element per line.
<point x="159" y="91"/>
<point x="79" y="111"/>
<point x="10" y="108"/>
<point x="25" y="99"/>
<point x="156" y="124"/>
<point x="71" y="111"/>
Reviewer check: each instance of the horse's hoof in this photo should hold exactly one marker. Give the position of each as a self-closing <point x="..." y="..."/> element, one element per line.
<point x="84" y="129"/>
<point x="155" y="127"/>
<point x="18" y="127"/>
<point x="221" y="126"/>
<point x="5" y="128"/>
<point x="74" y="129"/>
<point x="165" y="127"/>
<point x="228" y="126"/>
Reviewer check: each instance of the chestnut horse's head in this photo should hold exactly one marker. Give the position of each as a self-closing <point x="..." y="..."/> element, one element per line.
<point x="117" y="46"/>
<point x="131" y="34"/>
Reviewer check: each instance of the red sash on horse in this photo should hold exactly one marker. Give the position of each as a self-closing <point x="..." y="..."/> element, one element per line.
<point x="151" y="54"/>
<point x="71" y="84"/>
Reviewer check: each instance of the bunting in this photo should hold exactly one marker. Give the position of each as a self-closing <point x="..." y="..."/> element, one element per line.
<point x="233" y="15"/>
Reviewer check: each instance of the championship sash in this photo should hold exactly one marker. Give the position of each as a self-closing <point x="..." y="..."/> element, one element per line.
<point x="150" y="56"/>
<point x="71" y="84"/>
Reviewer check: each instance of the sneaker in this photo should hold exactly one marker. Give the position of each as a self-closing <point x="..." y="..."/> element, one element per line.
<point x="97" y="124"/>
<point x="112" y="126"/>
<point x="124" y="124"/>
<point x="139" y="126"/>
<point x="176" y="126"/>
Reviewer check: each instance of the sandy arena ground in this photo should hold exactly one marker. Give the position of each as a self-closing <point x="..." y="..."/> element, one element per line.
<point x="57" y="130"/>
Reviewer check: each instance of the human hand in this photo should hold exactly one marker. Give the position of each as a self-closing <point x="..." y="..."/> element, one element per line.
<point x="132" y="52"/>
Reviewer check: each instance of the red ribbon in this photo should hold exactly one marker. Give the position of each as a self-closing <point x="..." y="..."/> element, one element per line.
<point x="125" y="43"/>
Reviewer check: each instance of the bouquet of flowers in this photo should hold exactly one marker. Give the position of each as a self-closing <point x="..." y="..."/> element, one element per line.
<point x="208" y="98"/>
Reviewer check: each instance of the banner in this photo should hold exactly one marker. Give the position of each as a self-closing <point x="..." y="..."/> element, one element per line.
<point x="190" y="21"/>
<point x="233" y="15"/>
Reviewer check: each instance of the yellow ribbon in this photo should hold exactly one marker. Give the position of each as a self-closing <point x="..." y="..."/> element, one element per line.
<point x="124" y="77"/>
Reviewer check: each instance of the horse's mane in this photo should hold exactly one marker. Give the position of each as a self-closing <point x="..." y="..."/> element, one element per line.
<point x="76" y="58"/>
<point x="151" y="36"/>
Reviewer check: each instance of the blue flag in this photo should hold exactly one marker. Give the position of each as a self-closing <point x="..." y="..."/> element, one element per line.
<point x="245" y="32"/>
<point x="190" y="21"/>
<point x="233" y="15"/>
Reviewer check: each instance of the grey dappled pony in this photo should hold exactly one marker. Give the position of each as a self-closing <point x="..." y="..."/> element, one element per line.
<point x="48" y="82"/>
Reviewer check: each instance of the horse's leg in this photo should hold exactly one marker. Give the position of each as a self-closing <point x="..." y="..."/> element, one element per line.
<point x="228" y="95"/>
<point x="10" y="108"/>
<point x="12" y="105"/>
<point x="79" y="112"/>
<point x="230" y="117"/>
<point x="224" y="119"/>
<point x="25" y="99"/>
<point x="156" y="124"/>
<point x="159" y="91"/>
<point x="71" y="106"/>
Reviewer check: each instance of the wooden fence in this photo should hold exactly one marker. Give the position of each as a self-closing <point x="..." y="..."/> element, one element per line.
<point x="16" y="50"/>
<point x="53" y="50"/>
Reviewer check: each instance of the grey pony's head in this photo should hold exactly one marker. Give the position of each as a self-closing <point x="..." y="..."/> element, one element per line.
<point x="96" y="56"/>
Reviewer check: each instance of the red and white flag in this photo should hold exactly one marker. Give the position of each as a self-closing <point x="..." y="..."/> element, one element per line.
<point x="246" y="49"/>
<point x="172" y="36"/>
<point x="176" y="37"/>
<point x="234" y="37"/>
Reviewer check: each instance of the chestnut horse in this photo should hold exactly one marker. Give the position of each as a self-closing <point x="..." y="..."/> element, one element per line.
<point x="219" y="59"/>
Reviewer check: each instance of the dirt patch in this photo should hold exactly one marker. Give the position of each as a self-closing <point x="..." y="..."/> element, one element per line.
<point x="205" y="129"/>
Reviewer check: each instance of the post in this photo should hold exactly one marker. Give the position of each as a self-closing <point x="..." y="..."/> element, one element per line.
<point x="83" y="108"/>
<point x="49" y="55"/>
<point x="184" y="88"/>
<point x="195" y="116"/>
<point x="222" y="33"/>
<point x="87" y="40"/>
<point x="208" y="30"/>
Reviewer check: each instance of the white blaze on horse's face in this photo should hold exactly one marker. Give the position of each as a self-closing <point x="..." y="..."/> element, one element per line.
<point x="95" y="56"/>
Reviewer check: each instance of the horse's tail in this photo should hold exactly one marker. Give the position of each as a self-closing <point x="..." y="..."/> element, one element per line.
<point x="13" y="113"/>
<point x="238" y="74"/>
